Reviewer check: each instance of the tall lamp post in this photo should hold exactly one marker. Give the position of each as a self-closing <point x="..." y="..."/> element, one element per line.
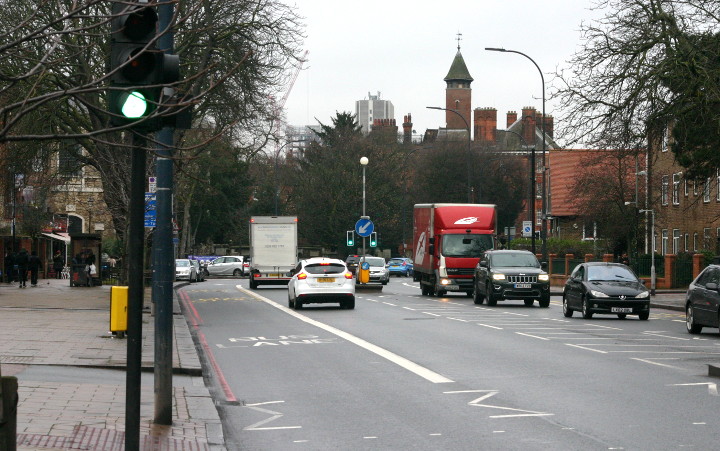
<point x="469" y="188"/>
<point x="652" y="251"/>
<point x="543" y="232"/>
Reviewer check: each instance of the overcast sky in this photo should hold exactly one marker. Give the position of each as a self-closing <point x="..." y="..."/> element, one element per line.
<point x="404" y="49"/>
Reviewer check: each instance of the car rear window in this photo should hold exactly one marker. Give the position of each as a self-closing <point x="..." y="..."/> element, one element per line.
<point x="331" y="268"/>
<point x="182" y="263"/>
<point x="375" y="261"/>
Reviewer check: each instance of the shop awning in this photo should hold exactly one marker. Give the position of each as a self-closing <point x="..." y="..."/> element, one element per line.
<point x="58" y="236"/>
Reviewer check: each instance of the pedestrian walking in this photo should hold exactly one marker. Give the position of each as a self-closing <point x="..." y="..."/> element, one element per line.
<point x="22" y="261"/>
<point x="34" y="265"/>
<point x="58" y="264"/>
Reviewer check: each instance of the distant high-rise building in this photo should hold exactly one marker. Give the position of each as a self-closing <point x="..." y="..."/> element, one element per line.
<point x="372" y="108"/>
<point x="299" y="138"/>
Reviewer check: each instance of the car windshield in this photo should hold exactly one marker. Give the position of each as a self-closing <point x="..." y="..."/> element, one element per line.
<point x="325" y="268"/>
<point x="396" y="261"/>
<point x="375" y="261"/>
<point x="466" y="245"/>
<point x="182" y="263"/>
<point x="605" y="273"/>
<point x="515" y="260"/>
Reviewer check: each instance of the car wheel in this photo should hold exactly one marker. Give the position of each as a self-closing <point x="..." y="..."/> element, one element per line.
<point x="477" y="297"/>
<point x="544" y="302"/>
<point x="529" y="302"/>
<point x="586" y="313"/>
<point x="298" y="304"/>
<point x="567" y="311"/>
<point x="491" y="299"/>
<point x="692" y="326"/>
<point x="385" y="282"/>
<point x="440" y="293"/>
<point x="237" y="273"/>
<point x="622" y="315"/>
<point x="644" y="316"/>
<point x="349" y="304"/>
<point x="291" y="304"/>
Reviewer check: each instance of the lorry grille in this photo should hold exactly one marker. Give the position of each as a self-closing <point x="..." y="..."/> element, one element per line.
<point x="522" y="279"/>
<point x="460" y="271"/>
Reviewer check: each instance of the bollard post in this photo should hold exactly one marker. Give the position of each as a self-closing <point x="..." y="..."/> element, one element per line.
<point x="8" y="412"/>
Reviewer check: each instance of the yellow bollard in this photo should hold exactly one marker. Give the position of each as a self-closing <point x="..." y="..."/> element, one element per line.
<point x="118" y="310"/>
<point x="363" y="275"/>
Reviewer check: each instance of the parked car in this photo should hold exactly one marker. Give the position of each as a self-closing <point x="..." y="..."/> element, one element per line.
<point x="378" y="272"/>
<point x="702" y="300"/>
<point x="608" y="288"/>
<point x="510" y="274"/>
<point x="184" y="270"/>
<point x="246" y="265"/>
<point x="231" y="265"/>
<point x="400" y="266"/>
<point x="321" y="280"/>
<point x="199" y="271"/>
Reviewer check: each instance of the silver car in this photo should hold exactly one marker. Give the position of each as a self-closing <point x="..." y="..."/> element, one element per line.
<point x="184" y="270"/>
<point x="378" y="271"/>
<point x="230" y="265"/>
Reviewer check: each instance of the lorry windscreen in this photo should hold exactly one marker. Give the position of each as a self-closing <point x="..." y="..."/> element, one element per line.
<point x="466" y="245"/>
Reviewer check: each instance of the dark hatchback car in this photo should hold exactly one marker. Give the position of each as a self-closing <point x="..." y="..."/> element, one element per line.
<point x="608" y="288"/>
<point x="352" y="263"/>
<point x="510" y="274"/>
<point x="702" y="301"/>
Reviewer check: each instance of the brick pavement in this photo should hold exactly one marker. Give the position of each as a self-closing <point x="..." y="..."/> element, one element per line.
<point x="71" y="373"/>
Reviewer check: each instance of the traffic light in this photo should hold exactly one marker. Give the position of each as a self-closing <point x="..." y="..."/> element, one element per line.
<point x="139" y="69"/>
<point x="373" y="239"/>
<point x="350" y="238"/>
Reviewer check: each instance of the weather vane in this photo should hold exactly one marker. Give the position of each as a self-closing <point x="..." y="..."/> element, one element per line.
<point x="459" y="38"/>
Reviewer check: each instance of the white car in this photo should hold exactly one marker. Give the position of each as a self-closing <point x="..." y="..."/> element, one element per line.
<point x="321" y="280"/>
<point x="184" y="270"/>
<point x="230" y="265"/>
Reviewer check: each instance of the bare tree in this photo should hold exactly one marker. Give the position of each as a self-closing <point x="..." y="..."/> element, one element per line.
<point x="644" y="65"/>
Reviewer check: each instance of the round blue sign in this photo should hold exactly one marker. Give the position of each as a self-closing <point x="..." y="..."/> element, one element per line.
<point x="365" y="265"/>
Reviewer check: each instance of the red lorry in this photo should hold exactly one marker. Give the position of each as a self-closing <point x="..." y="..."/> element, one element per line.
<point x="449" y="240"/>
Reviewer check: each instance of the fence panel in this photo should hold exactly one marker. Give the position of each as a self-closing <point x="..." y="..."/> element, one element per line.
<point x="682" y="271"/>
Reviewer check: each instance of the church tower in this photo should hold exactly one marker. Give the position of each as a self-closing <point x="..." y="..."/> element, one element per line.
<point x="458" y="94"/>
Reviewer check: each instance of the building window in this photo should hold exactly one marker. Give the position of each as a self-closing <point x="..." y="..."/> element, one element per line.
<point x="707" y="245"/>
<point x="664" y="143"/>
<point x="538" y="217"/>
<point x="695" y="187"/>
<point x="664" y="241"/>
<point x="695" y="242"/>
<point x="676" y="241"/>
<point x="687" y="242"/>
<point x="664" y="192"/>
<point x="676" y="189"/>
<point x="706" y="190"/>
<point x="717" y="184"/>
<point x="687" y="191"/>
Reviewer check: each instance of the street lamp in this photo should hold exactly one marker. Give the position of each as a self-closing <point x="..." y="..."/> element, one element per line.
<point x="543" y="233"/>
<point x="469" y="188"/>
<point x="652" y="247"/>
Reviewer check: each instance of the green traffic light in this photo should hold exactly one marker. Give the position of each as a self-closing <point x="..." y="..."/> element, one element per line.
<point x="133" y="105"/>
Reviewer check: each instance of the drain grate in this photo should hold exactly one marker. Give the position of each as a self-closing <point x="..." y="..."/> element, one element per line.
<point x="95" y="439"/>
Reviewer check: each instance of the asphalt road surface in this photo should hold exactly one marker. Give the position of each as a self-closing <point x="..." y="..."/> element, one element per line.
<point x="405" y="371"/>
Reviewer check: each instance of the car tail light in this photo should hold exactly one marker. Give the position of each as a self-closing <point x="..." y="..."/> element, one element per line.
<point x="348" y="275"/>
<point x="302" y="276"/>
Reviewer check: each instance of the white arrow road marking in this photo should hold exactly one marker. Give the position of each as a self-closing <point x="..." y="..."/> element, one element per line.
<point x="712" y="388"/>
<point x="491" y="393"/>
<point x="275" y="416"/>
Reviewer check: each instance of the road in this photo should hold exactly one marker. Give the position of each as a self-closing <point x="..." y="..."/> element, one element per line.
<point x="403" y="371"/>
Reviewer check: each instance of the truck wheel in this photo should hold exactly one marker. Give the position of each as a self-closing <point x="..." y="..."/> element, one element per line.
<point x="253" y="284"/>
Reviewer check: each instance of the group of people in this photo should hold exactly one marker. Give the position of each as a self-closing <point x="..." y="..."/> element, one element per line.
<point x="87" y="258"/>
<point x="17" y="266"/>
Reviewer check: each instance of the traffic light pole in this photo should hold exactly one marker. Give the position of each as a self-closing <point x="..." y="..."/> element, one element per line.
<point x="163" y="254"/>
<point x="136" y="235"/>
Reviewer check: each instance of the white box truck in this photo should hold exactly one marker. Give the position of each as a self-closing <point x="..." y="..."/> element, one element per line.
<point x="273" y="249"/>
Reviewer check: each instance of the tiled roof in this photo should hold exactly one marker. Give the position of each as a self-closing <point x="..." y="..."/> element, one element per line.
<point x="458" y="69"/>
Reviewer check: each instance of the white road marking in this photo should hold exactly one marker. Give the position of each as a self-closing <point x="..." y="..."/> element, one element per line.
<point x="388" y="303"/>
<point x="274" y="416"/>
<point x="712" y="388"/>
<point x="487" y="325"/>
<point x="655" y="363"/>
<point x="390" y="356"/>
<point x="587" y="349"/>
<point x="533" y="336"/>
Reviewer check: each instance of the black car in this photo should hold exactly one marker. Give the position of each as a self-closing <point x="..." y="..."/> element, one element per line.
<point x="599" y="287"/>
<point x="702" y="300"/>
<point x="352" y="263"/>
<point x="511" y="274"/>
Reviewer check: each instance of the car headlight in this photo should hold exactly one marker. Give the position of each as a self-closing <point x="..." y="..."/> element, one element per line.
<point x="498" y="276"/>
<point x="598" y="294"/>
<point x="544" y="277"/>
<point x="643" y="295"/>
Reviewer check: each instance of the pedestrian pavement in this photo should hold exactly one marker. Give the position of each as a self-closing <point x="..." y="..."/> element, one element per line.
<point x="71" y="373"/>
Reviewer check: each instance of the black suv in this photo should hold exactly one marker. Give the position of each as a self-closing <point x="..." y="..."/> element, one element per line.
<point x="511" y="274"/>
<point x="352" y="263"/>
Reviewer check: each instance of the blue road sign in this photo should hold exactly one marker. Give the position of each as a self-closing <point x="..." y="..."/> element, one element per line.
<point x="150" y="209"/>
<point x="365" y="265"/>
<point x="364" y="227"/>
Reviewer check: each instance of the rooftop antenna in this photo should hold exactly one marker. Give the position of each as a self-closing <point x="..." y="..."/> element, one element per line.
<point x="459" y="38"/>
